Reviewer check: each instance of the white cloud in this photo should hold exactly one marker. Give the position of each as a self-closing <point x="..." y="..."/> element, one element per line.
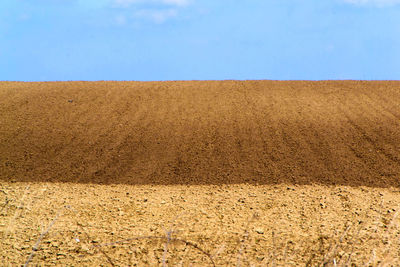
<point x="378" y="3"/>
<point x="158" y="16"/>
<point x="155" y="11"/>
<point x="127" y="3"/>
<point x="176" y="2"/>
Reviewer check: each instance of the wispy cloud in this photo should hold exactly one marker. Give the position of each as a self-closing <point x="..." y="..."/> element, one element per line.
<point x="378" y="3"/>
<point x="127" y="3"/>
<point x="158" y="16"/>
<point x="176" y="2"/>
<point x="155" y="11"/>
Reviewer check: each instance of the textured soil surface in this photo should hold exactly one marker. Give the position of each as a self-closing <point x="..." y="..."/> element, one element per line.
<point x="211" y="132"/>
<point x="200" y="173"/>
<point x="234" y="225"/>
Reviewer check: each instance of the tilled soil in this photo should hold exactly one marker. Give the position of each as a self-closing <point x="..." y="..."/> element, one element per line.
<point x="201" y="132"/>
<point x="200" y="172"/>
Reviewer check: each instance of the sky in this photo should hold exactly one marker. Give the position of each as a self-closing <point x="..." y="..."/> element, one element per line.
<point x="156" y="40"/>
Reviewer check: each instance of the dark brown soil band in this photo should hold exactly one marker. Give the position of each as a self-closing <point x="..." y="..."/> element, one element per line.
<point x="201" y="132"/>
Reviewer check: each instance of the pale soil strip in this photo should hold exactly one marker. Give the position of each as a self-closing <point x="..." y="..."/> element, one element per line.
<point x="11" y="226"/>
<point x="205" y="225"/>
<point x="36" y="246"/>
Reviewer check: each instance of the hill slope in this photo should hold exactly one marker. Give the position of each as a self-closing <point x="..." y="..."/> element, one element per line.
<point x="201" y="132"/>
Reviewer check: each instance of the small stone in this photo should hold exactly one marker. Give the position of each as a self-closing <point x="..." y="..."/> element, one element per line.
<point x="259" y="231"/>
<point x="163" y="202"/>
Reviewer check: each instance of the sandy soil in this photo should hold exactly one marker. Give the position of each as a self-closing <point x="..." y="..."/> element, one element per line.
<point x="200" y="173"/>
<point x="252" y="225"/>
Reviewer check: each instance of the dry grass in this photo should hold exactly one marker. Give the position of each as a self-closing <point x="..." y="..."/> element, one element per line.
<point x="339" y="253"/>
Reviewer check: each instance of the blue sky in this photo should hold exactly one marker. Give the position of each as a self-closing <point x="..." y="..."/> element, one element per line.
<point x="58" y="40"/>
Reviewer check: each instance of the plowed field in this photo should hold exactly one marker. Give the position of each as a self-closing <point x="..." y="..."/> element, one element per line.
<point x="200" y="172"/>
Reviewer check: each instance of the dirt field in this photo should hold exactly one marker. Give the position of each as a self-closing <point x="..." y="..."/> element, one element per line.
<point x="200" y="172"/>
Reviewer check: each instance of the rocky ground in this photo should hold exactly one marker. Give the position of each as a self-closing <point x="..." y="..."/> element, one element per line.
<point x="238" y="225"/>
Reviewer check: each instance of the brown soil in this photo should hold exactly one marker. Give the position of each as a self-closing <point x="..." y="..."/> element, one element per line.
<point x="211" y="132"/>
<point x="224" y="172"/>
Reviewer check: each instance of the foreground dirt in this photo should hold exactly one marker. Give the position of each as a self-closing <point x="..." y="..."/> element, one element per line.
<point x="205" y="132"/>
<point x="261" y="225"/>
